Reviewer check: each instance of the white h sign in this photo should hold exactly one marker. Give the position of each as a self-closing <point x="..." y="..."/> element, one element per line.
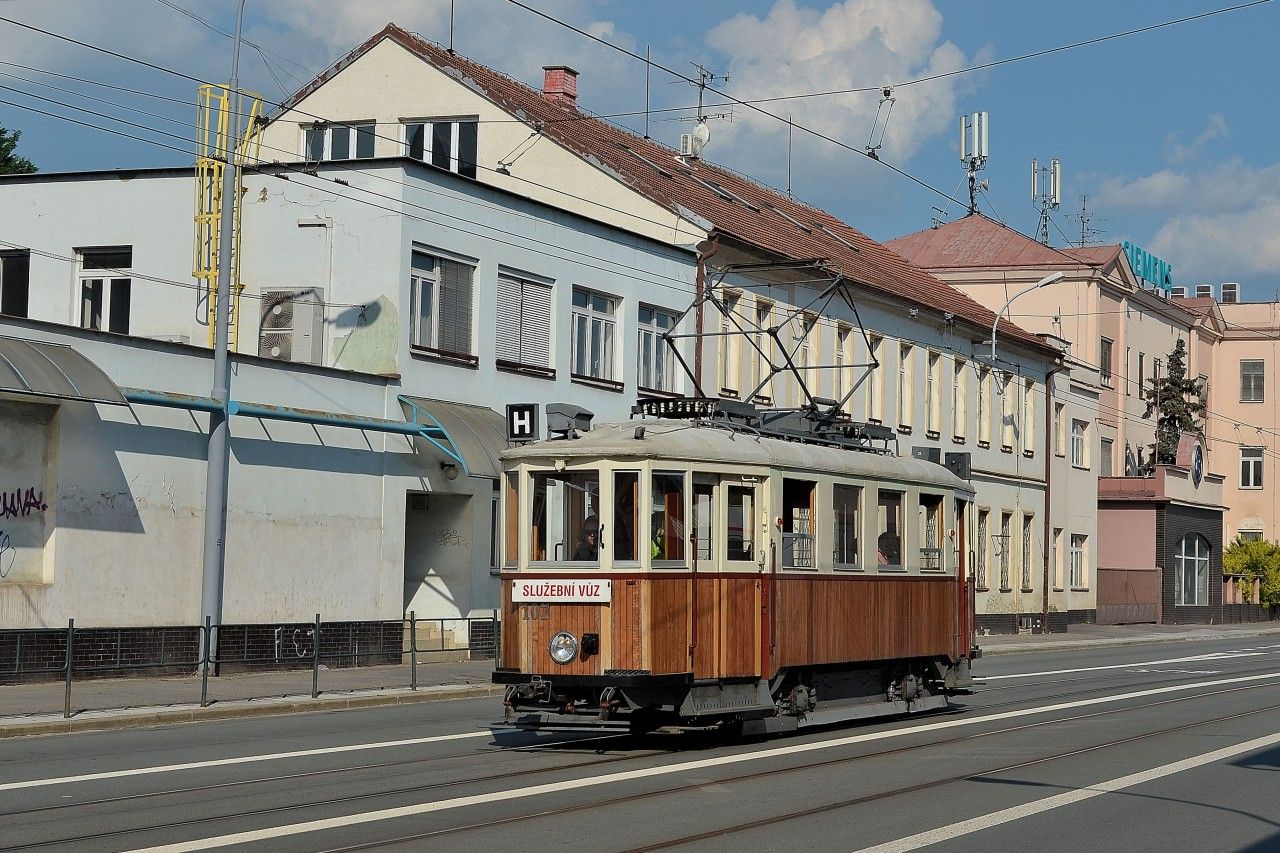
<point x="522" y="422"/>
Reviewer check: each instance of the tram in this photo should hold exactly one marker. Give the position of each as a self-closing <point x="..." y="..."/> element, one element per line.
<point x="709" y="566"/>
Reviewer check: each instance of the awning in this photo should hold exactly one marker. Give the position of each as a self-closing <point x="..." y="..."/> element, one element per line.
<point x="476" y="433"/>
<point x="46" y="369"/>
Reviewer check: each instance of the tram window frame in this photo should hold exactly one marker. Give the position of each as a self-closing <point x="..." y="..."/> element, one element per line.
<point x="841" y="529"/>
<point x="703" y="528"/>
<point x="799" y="547"/>
<point x="750" y="511"/>
<point x="511" y="520"/>
<point x="572" y="531"/>
<point x="931" y="542"/>
<point x="883" y="558"/>
<point x="660" y="549"/>
<point x="619" y="537"/>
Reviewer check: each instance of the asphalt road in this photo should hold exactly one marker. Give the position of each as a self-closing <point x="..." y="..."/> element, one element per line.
<point x="1160" y="747"/>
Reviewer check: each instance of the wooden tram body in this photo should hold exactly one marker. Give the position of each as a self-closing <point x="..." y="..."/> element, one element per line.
<point x="711" y="577"/>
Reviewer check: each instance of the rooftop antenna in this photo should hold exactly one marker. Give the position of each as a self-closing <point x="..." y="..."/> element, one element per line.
<point x="1088" y="234"/>
<point x="973" y="151"/>
<point x="879" y="126"/>
<point x="939" y="219"/>
<point x="1046" y="191"/>
<point x="691" y="144"/>
<point x="647" y="66"/>
<point x="451" y="5"/>
<point x="789" y="128"/>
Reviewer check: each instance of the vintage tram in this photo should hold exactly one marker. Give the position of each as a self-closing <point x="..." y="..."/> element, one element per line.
<point x="719" y="567"/>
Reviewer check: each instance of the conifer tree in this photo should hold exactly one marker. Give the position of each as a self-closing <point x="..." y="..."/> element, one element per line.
<point x="1178" y="403"/>
<point x="10" y="162"/>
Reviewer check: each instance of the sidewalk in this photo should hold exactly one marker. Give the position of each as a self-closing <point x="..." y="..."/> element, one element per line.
<point x="30" y="709"/>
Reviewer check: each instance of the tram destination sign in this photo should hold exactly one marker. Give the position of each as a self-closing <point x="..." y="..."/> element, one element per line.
<point x="561" y="591"/>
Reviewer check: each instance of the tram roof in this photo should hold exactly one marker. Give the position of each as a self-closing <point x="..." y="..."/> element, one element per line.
<point x="682" y="441"/>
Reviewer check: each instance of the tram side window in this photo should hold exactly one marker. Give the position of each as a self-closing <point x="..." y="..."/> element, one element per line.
<point x="845" y="500"/>
<point x="667" y="519"/>
<point x="703" y="516"/>
<point x="931" y="532"/>
<point x="626" y="516"/>
<point x="889" y="527"/>
<point x="742" y="513"/>
<point x="566" y="517"/>
<point x="512" y="521"/>
<point x="797" y="523"/>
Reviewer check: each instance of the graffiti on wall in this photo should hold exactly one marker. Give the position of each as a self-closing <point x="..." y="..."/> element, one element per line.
<point x="28" y="487"/>
<point x="21" y="503"/>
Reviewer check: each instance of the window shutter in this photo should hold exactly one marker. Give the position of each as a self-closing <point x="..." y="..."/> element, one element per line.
<point x="455" y="307"/>
<point x="535" y="325"/>
<point x="508" y="319"/>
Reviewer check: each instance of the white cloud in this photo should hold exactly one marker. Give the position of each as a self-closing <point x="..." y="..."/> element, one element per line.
<point x="849" y="44"/>
<point x="1175" y="152"/>
<point x="1232" y="186"/>
<point x="1213" y="247"/>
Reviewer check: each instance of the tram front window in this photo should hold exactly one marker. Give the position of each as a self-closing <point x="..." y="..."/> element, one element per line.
<point x="741" y="507"/>
<point x="667" y="519"/>
<point x="566" y="517"/>
<point x="626" y="517"/>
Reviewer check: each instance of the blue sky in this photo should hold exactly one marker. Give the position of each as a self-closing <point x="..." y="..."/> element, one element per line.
<point x="1170" y="133"/>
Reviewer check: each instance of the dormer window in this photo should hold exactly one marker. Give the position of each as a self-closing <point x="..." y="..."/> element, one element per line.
<point x="338" y="141"/>
<point x="448" y="144"/>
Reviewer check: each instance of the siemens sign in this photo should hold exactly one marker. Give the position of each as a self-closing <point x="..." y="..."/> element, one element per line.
<point x="1148" y="267"/>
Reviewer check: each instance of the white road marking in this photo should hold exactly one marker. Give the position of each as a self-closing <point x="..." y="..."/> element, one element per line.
<point x="250" y="836"/>
<point x="244" y="759"/>
<point x="977" y="824"/>
<point x="1206" y="657"/>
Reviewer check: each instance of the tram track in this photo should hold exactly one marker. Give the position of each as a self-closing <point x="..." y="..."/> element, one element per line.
<point x="332" y="801"/>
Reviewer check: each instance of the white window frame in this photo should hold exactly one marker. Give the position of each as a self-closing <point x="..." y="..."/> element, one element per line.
<point x="1194" y="561"/>
<point x="1060" y="429"/>
<point x="352" y="129"/>
<point x="906" y="386"/>
<point x="1058" y="559"/>
<point x="455" y="164"/>
<point x="933" y="393"/>
<point x="1080" y="443"/>
<point x="660" y="362"/>
<point x="984" y="406"/>
<point x="1079" y="562"/>
<point x="1028" y="429"/>
<point x="421" y="280"/>
<point x="115" y="290"/>
<point x="601" y="327"/>
<point x="1255" y="390"/>
<point x="730" y="346"/>
<point x="1251" y="465"/>
<point x="960" y="401"/>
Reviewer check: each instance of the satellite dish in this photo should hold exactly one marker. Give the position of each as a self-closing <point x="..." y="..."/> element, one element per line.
<point x="701" y="135"/>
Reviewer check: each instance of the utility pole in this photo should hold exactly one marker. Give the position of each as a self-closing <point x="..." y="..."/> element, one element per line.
<point x="215" y="493"/>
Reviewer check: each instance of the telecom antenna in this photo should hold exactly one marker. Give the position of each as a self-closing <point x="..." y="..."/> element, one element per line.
<point x="1046" y="192"/>
<point x="973" y="151"/>
<point x="1088" y="234"/>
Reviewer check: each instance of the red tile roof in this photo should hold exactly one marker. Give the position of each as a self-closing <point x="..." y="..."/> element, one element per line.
<point x="747" y="211"/>
<point x="1197" y="304"/>
<point x="979" y="242"/>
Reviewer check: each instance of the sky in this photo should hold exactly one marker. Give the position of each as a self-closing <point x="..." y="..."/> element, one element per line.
<point x="1169" y="133"/>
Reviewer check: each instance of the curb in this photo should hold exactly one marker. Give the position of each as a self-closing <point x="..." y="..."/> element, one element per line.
<point x="1149" y="640"/>
<point x="99" y="721"/>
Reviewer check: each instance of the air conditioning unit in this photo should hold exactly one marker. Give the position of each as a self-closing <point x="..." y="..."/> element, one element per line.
<point x="1204" y="290"/>
<point x="688" y="145"/>
<point x="928" y="454"/>
<point x="291" y="325"/>
<point x="1231" y="291"/>
<point x="1178" y="291"/>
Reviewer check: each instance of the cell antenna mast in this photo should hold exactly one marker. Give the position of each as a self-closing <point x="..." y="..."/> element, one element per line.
<point x="1046" y="193"/>
<point x="973" y="152"/>
<point x="1088" y="234"/>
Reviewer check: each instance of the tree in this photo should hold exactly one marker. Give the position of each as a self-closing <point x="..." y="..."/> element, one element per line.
<point x="1256" y="558"/>
<point x="1179" y="402"/>
<point x="11" y="163"/>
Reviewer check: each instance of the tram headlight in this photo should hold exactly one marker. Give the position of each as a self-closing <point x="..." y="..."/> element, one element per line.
<point x="563" y="647"/>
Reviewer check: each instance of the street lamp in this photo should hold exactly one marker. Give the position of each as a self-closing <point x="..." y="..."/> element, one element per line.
<point x="1052" y="278"/>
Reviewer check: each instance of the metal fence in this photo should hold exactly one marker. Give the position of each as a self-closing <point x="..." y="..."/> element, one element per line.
<point x="81" y="654"/>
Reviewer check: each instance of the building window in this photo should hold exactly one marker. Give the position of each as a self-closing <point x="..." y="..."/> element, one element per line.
<point x="1027" y="550"/>
<point x="1008" y="414"/>
<point x="657" y="370"/>
<point x="1028" y="417"/>
<point x="1106" y="450"/>
<point x="730" y="344"/>
<point x="843" y="373"/>
<point x="960" y="401"/>
<point x="15" y="283"/>
<point x="440" y="304"/>
<point x="906" y="386"/>
<point x="593" y="333"/>
<point x="1078" y="561"/>
<point x="1105" y="361"/>
<point x="523" y="336"/>
<point x="889" y="529"/>
<point x="762" y="352"/>
<point x="1080" y="443"/>
<point x="1059" y="429"/>
<point x="804" y="331"/>
<point x="105" y="286"/>
<point x="933" y="394"/>
<point x="447" y="144"/>
<point x="339" y="141"/>
<point x="1142" y="373"/>
<point x="875" y="382"/>
<point x="1251" y="379"/>
<point x="1251" y="467"/>
<point x="1249" y="535"/>
<point x="1002" y="549"/>
<point x="984" y="407"/>
<point x="1057" y="558"/>
<point x="1191" y="580"/>
<point x="845" y="501"/>
<point x="980" y="580"/>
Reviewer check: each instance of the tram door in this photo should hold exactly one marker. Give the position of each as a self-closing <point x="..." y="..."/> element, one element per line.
<point x="964" y="582"/>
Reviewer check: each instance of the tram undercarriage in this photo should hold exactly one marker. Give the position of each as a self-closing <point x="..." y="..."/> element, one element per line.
<point x="794" y="698"/>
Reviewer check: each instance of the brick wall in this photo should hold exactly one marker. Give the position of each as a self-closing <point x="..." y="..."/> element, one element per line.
<point x="1173" y="522"/>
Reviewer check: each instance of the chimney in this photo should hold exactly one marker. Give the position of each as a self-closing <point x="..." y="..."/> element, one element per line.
<point x="560" y="85"/>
